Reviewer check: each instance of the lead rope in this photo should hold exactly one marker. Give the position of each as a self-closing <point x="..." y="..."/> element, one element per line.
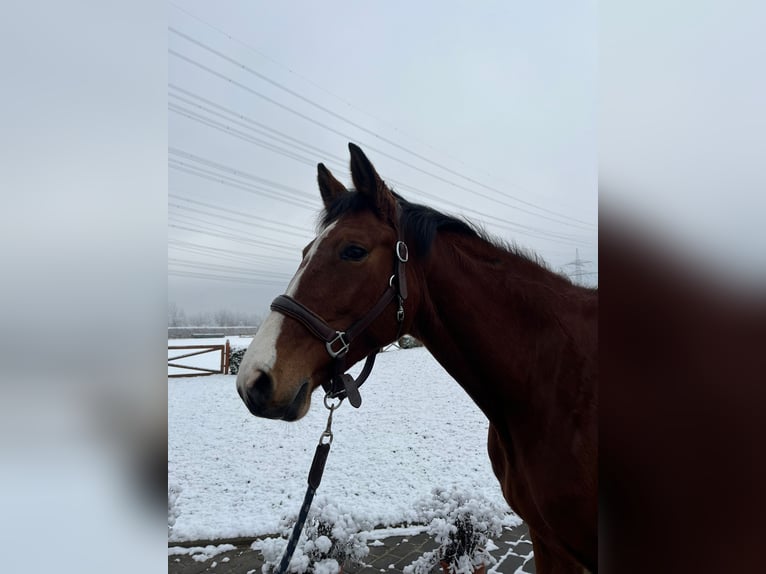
<point x="314" y="479"/>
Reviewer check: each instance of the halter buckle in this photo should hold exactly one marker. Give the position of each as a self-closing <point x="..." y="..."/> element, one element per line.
<point x="339" y="336"/>
<point x="402" y="253"/>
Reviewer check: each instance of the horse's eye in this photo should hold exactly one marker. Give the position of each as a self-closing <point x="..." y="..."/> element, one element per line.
<point x="353" y="253"/>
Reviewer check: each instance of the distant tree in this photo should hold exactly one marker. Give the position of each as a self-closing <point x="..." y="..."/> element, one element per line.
<point x="201" y="319"/>
<point x="229" y="318"/>
<point x="248" y="319"/>
<point x="176" y="315"/>
<point x="220" y="318"/>
<point x="223" y="318"/>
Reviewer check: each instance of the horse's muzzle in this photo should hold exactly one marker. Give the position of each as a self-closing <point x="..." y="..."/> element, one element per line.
<point x="258" y="392"/>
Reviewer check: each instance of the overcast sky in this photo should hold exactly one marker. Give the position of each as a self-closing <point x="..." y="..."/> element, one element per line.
<point x="486" y="110"/>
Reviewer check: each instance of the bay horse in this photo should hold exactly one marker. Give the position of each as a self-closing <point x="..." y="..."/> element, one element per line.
<point x="520" y="339"/>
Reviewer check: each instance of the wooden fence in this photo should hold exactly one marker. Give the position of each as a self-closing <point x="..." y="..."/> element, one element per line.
<point x="224" y="350"/>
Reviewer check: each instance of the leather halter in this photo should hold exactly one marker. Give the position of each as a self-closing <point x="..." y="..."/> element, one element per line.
<point x="341" y="384"/>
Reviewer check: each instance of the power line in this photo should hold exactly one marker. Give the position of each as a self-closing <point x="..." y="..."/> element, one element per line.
<point x="241" y="256"/>
<point x="326" y="91"/>
<point x="266" y="223"/>
<point x="536" y="231"/>
<point x="218" y="256"/>
<point x="260" y="128"/>
<point x="229" y="269"/>
<point x="274" y="102"/>
<point x="340" y="117"/>
<point x="519" y="228"/>
<point x="540" y="234"/>
<point x="227" y="278"/>
<point x="304" y="78"/>
<point x="235" y="238"/>
<point x="239" y="134"/>
<point x="240" y="173"/>
<point x="231" y="182"/>
<point x="230" y="218"/>
<point x="278" y="246"/>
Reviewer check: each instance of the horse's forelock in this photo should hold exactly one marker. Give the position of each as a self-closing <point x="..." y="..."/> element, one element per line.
<point x="351" y="202"/>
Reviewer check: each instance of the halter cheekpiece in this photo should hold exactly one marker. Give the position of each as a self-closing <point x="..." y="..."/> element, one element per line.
<point x="341" y="384"/>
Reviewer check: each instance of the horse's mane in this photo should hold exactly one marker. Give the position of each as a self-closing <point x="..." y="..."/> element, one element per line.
<point x="421" y="223"/>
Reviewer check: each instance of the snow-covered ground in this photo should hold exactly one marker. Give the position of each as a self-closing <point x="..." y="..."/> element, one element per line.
<point x="240" y="475"/>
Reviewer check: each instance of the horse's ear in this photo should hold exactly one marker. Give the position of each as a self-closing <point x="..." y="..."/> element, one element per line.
<point x="330" y="188"/>
<point x="368" y="182"/>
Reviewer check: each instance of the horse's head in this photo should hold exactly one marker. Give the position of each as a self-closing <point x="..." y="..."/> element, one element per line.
<point x="349" y="269"/>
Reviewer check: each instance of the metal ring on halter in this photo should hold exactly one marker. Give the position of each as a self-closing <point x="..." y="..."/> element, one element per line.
<point x="403" y="258"/>
<point x="330" y="406"/>
<point x="339" y="336"/>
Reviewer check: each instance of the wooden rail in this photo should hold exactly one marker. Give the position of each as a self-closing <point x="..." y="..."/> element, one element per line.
<point x="225" y="351"/>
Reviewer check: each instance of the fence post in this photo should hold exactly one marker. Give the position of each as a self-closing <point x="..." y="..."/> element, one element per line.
<point x="227" y="358"/>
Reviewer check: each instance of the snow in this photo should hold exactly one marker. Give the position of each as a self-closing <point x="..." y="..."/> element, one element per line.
<point x="381" y="533"/>
<point x="201" y="553"/>
<point x="236" y="475"/>
<point x="174" y="491"/>
<point x="323" y="544"/>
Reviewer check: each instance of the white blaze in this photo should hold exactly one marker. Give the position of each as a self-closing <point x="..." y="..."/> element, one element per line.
<point x="261" y="355"/>
<point x="292" y="288"/>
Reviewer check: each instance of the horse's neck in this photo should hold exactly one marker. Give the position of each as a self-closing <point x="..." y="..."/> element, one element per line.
<point x="492" y="319"/>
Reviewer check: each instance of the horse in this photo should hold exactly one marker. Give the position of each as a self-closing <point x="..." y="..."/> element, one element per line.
<point x="520" y="339"/>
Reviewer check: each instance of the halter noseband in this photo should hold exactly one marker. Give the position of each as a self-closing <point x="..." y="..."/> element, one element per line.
<point x="341" y="384"/>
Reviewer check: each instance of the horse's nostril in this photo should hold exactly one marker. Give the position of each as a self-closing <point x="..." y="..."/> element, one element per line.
<point x="261" y="388"/>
